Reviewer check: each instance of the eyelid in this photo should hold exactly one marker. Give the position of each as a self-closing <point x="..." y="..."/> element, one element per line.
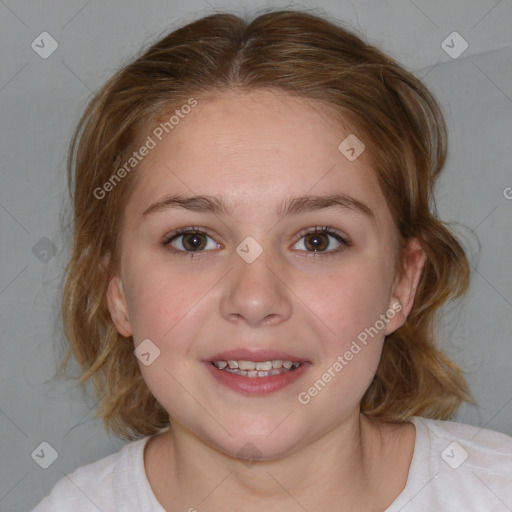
<point x="324" y="229"/>
<point x="341" y="237"/>
<point x="169" y="237"/>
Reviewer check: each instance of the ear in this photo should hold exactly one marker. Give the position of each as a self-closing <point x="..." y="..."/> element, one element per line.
<point x="116" y="302"/>
<point x="402" y="299"/>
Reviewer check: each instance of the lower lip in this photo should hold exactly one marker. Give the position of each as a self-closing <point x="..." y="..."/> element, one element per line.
<point x="256" y="385"/>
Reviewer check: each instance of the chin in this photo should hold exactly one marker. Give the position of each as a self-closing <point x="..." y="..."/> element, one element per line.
<point x="269" y="440"/>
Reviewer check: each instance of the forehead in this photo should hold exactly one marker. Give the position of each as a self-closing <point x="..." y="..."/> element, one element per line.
<point x="253" y="148"/>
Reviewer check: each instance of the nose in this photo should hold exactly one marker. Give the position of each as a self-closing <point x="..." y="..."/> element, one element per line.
<point x="254" y="294"/>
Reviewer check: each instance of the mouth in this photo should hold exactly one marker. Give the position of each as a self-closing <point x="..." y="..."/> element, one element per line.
<point x="256" y="369"/>
<point x="256" y="372"/>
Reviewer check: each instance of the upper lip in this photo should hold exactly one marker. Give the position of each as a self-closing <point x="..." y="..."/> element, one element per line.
<point x="242" y="354"/>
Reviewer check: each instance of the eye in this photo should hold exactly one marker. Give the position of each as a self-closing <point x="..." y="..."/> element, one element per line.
<point x="190" y="240"/>
<point x="316" y="240"/>
<point x="321" y="240"/>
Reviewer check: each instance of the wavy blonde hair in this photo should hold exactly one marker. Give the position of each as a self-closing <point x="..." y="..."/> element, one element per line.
<point x="305" y="56"/>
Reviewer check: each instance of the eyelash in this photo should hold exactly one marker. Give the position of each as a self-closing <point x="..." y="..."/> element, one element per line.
<point x="327" y="230"/>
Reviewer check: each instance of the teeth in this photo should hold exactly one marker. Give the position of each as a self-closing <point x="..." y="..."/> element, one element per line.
<point x="246" y="365"/>
<point x="267" y="365"/>
<point x="257" y="369"/>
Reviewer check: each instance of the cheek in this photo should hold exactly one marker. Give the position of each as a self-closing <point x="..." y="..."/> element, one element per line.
<point x="161" y="308"/>
<point x="351" y="304"/>
<point x="349" y="299"/>
<point x="158" y="300"/>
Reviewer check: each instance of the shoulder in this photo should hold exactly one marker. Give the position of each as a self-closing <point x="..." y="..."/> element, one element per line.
<point x="478" y="449"/>
<point x="458" y="467"/>
<point x="96" y="484"/>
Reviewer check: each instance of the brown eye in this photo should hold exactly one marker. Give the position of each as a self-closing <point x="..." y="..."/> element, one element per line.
<point x="321" y="240"/>
<point x="316" y="242"/>
<point x="194" y="241"/>
<point x="191" y="241"/>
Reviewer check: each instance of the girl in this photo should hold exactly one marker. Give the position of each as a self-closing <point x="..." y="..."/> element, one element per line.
<point x="256" y="271"/>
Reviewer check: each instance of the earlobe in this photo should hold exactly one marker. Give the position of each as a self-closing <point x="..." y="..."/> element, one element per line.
<point x="117" y="306"/>
<point x="404" y="292"/>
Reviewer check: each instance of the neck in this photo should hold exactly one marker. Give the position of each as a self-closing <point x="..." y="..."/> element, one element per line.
<point x="345" y="469"/>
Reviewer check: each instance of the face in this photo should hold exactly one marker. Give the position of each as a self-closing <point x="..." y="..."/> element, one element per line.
<point x="288" y="255"/>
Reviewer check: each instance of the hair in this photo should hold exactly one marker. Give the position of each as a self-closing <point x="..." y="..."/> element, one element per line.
<point x="305" y="56"/>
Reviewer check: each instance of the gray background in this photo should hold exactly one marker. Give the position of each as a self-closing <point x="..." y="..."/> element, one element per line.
<point x="41" y="100"/>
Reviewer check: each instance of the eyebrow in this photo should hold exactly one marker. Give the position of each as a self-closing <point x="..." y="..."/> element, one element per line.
<point x="291" y="206"/>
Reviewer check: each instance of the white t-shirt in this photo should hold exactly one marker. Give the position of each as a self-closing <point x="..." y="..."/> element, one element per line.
<point x="455" y="467"/>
